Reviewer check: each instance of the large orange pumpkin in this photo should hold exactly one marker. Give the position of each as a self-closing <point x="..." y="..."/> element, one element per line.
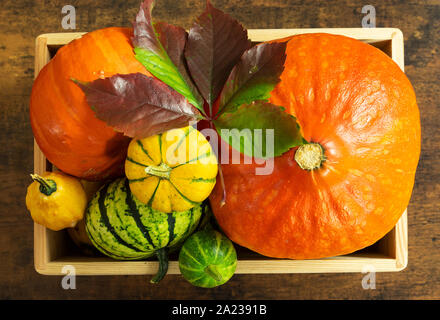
<point x="64" y="125"/>
<point x="354" y="101"/>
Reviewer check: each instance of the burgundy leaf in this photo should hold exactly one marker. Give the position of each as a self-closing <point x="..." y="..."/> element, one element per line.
<point x="254" y="77"/>
<point x="160" y="48"/>
<point x="215" y="44"/>
<point x="144" y="33"/>
<point x="173" y="40"/>
<point x="138" y="105"/>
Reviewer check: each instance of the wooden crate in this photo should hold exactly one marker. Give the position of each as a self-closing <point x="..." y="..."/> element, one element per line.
<point x="54" y="250"/>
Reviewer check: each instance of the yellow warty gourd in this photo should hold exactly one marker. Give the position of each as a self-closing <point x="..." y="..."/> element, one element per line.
<point x="55" y="200"/>
<point x="173" y="171"/>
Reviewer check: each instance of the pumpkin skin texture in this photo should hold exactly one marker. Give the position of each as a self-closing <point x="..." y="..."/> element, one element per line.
<point x="64" y="125"/>
<point x="354" y="101"/>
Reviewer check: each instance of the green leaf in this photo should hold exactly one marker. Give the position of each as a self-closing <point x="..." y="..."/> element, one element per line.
<point x="160" y="48"/>
<point x="260" y="130"/>
<point x="254" y="77"/>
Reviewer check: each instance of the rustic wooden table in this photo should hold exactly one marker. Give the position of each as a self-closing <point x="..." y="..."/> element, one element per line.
<point x="22" y="20"/>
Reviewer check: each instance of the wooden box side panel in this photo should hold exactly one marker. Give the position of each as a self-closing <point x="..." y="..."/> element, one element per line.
<point x="41" y="256"/>
<point x="49" y="249"/>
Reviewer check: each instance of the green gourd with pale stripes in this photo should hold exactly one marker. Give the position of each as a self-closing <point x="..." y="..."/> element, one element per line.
<point x="122" y="227"/>
<point x="207" y="259"/>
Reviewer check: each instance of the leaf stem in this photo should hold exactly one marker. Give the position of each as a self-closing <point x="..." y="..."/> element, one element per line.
<point x="204" y="115"/>
<point x="222" y="183"/>
<point x="220" y="172"/>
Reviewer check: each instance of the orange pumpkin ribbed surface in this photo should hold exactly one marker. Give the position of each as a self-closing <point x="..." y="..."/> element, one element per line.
<point x="354" y="101"/>
<point x="64" y="125"/>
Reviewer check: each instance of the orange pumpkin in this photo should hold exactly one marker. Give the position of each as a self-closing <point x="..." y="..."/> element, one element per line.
<point x="64" y="125"/>
<point x="352" y="100"/>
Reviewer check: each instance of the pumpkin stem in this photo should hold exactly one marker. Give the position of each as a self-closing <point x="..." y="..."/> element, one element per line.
<point x="310" y="156"/>
<point x="213" y="272"/>
<point x="162" y="256"/>
<point x="161" y="171"/>
<point x="47" y="186"/>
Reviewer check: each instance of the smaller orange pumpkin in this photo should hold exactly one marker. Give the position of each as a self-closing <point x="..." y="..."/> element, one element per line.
<point x="64" y="125"/>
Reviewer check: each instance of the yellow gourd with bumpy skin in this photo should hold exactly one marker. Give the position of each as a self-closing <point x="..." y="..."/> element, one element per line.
<point x="173" y="171"/>
<point x="55" y="200"/>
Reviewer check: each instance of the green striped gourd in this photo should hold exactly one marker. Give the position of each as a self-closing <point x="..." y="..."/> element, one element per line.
<point x="122" y="227"/>
<point x="207" y="259"/>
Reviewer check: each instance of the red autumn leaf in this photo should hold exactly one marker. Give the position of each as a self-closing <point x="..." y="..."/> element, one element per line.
<point x="144" y="33"/>
<point x="254" y="77"/>
<point x="215" y="44"/>
<point x="138" y="105"/>
<point x="160" y="48"/>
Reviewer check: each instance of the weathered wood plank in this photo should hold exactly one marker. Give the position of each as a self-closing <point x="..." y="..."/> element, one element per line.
<point x="22" y="20"/>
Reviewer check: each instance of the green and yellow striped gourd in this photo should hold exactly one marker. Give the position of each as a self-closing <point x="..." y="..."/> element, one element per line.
<point x="172" y="171"/>
<point x="122" y="227"/>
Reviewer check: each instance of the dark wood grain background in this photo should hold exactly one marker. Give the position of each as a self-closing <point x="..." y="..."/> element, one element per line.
<point x="22" y="20"/>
